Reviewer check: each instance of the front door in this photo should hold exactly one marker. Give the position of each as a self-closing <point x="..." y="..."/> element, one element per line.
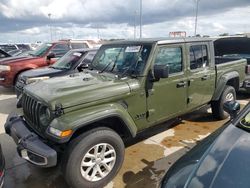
<point x="168" y="96"/>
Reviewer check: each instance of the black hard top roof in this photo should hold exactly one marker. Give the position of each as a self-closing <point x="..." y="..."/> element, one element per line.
<point x="232" y="45"/>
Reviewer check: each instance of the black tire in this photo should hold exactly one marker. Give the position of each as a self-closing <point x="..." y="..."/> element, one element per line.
<point x="217" y="106"/>
<point x="82" y="145"/>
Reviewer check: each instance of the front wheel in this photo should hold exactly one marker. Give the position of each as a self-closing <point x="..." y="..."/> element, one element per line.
<point x="228" y="94"/>
<point x="93" y="159"/>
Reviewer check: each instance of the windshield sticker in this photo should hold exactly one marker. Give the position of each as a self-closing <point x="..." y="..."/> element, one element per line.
<point x="133" y="49"/>
<point x="77" y="54"/>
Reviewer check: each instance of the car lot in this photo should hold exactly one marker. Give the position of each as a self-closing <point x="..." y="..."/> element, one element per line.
<point x="146" y="160"/>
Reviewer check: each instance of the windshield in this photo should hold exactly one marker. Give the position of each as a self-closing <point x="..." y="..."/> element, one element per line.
<point x="69" y="60"/>
<point x="122" y="59"/>
<point x="41" y="50"/>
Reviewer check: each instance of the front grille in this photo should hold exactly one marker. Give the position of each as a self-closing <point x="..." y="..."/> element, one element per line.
<point x="31" y="108"/>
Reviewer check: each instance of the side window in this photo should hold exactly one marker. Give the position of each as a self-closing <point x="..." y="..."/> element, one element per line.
<point x="78" y="45"/>
<point x="198" y="56"/>
<point x="89" y="57"/>
<point x="60" y="49"/>
<point x="171" y="57"/>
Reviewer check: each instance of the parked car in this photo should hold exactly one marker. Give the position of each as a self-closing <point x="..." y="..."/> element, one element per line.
<point x="24" y="47"/>
<point x="44" y="55"/>
<point x="235" y="48"/>
<point x="8" y="47"/>
<point x="70" y="63"/>
<point x="2" y="167"/>
<point x="19" y="52"/>
<point x="220" y="160"/>
<point x="4" y="54"/>
<point x="130" y="86"/>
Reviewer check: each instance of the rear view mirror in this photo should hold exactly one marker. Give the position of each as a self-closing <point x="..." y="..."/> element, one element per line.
<point x="161" y="71"/>
<point x="232" y="108"/>
<point x="50" y="56"/>
<point x="83" y="66"/>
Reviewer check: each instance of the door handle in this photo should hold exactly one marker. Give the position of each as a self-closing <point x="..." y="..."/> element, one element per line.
<point x="204" y="77"/>
<point x="181" y="84"/>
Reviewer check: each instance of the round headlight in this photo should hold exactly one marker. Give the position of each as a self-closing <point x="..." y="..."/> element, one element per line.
<point x="44" y="116"/>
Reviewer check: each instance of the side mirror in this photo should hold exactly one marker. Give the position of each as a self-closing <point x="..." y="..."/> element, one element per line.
<point x="83" y="66"/>
<point x="232" y="108"/>
<point x="50" y="56"/>
<point x="161" y="71"/>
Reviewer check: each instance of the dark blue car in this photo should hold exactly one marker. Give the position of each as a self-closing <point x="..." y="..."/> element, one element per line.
<point x="4" y="54"/>
<point x="70" y="63"/>
<point x="221" y="160"/>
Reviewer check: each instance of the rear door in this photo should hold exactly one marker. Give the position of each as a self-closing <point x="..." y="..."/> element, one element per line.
<point x="168" y="96"/>
<point x="201" y="75"/>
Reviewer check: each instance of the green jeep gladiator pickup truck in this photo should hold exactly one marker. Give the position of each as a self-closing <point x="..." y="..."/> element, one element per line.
<point x="83" y="119"/>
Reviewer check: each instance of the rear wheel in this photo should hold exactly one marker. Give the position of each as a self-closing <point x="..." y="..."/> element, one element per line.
<point x="228" y="94"/>
<point x="94" y="158"/>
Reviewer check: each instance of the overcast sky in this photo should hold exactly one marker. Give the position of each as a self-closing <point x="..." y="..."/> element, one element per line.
<point x="28" y="20"/>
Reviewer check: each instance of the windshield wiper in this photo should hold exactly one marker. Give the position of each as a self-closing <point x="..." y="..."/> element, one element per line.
<point x="132" y="73"/>
<point x="59" y="68"/>
<point x="125" y="72"/>
<point x="106" y="67"/>
<point x="31" y="54"/>
<point x="112" y="62"/>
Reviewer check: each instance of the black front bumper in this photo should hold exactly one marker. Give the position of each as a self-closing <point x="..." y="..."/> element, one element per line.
<point x="29" y="145"/>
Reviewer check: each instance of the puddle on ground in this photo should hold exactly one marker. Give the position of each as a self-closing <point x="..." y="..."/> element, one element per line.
<point x="138" y="167"/>
<point x="192" y="130"/>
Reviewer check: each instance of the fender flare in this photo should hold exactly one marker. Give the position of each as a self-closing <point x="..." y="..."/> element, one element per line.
<point x="222" y="83"/>
<point x="84" y="117"/>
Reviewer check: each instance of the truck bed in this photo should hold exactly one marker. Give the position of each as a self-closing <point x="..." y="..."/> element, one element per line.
<point x="225" y="65"/>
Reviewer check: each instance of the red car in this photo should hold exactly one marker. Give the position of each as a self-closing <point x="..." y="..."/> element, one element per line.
<point x="44" y="55"/>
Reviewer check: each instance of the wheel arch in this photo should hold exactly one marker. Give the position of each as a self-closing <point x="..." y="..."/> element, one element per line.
<point x="19" y="72"/>
<point x="113" y="116"/>
<point x="113" y="122"/>
<point x="230" y="79"/>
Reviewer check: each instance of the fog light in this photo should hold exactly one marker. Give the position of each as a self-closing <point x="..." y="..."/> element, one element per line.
<point x="33" y="157"/>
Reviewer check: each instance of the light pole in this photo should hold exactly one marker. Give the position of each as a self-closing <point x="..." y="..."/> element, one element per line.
<point x="136" y="13"/>
<point x="196" y="16"/>
<point x="49" y="15"/>
<point x="73" y="33"/>
<point x="140" y="18"/>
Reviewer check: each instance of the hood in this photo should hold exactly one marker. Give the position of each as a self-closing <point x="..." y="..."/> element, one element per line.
<point x="78" y="89"/>
<point x="219" y="163"/>
<point x="39" y="72"/>
<point x="9" y="60"/>
<point x="227" y="163"/>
